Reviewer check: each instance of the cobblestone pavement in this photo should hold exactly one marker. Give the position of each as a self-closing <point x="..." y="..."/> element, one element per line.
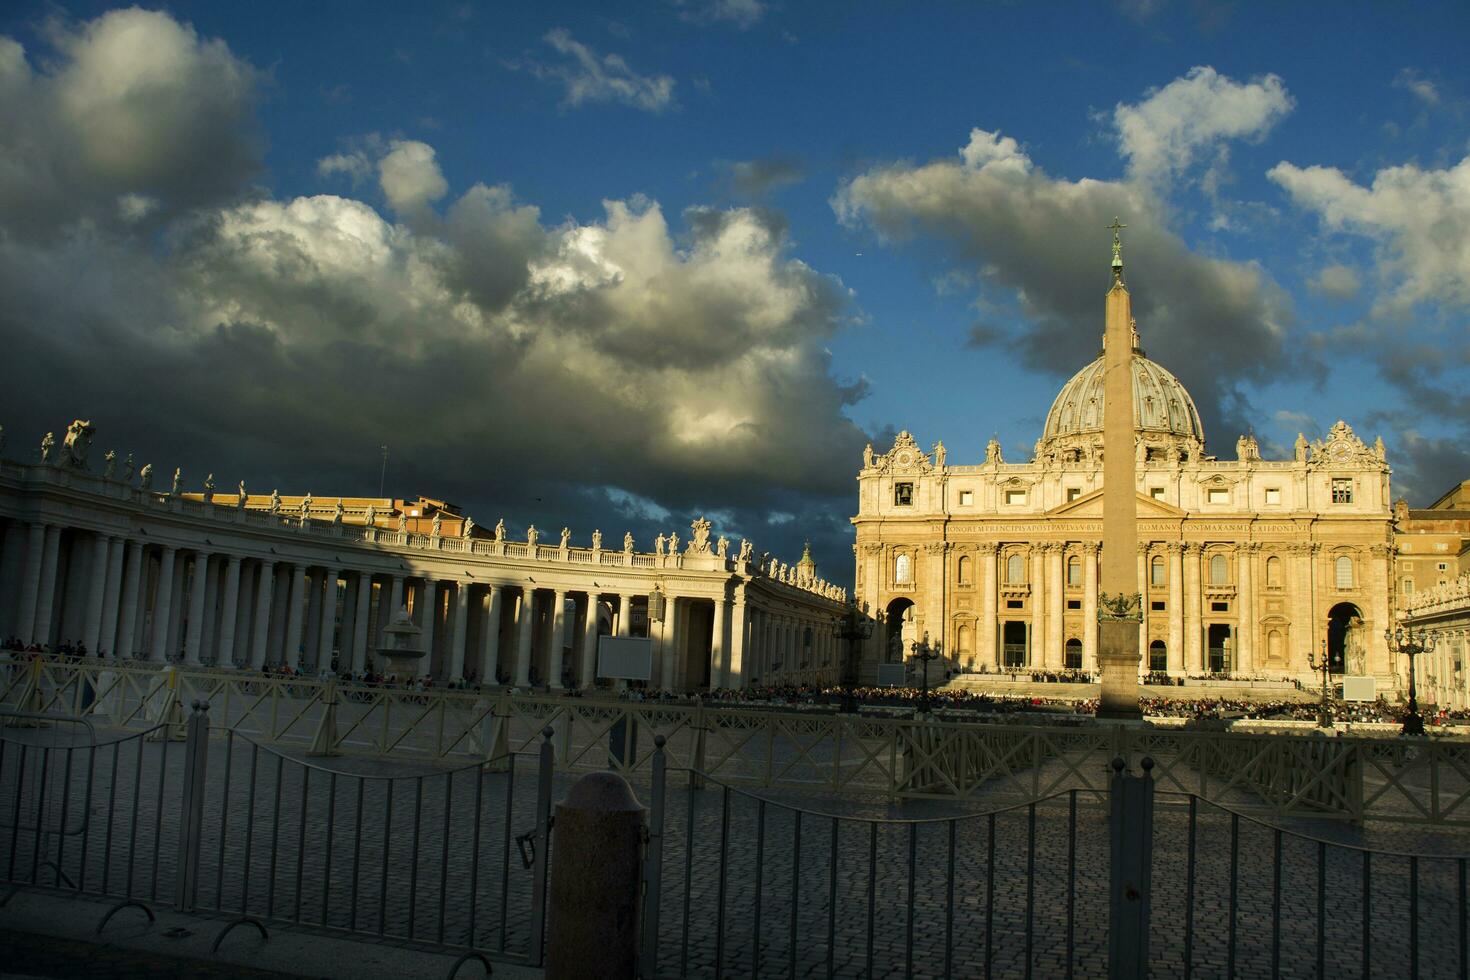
<point x="409" y="850"/>
<point x="26" y="955"/>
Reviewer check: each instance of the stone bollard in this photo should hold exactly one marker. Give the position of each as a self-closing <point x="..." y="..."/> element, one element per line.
<point x="592" y="908"/>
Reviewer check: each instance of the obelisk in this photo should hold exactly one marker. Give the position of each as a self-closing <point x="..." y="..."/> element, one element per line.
<point x="1119" y="609"/>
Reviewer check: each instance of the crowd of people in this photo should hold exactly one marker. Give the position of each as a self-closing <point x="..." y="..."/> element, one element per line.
<point x="856" y="698"/>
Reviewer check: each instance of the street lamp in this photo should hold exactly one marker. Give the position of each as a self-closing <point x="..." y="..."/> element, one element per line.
<point x="1412" y="642"/>
<point x="1324" y="714"/>
<point x="855" y="628"/>
<point x="924" y="654"/>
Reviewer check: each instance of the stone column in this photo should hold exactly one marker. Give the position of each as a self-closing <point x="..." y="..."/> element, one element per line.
<point x="163" y="592"/>
<point x="1056" y="604"/>
<point x="1036" y="654"/>
<point x="1176" y="608"/>
<point x="96" y="595"/>
<point x="428" y="621"/>
<point x="30" y="583"/>
<point x="717" y="665"/>
<point x="260" y="635"/>
<point x="127" y="630"/>
<point x="347" y="626"/>
<point x="524" y="629"/>
<point x="461" y="624"/>
<point x="1378" y="611"/>
<point x="395" y="603"/>
<point x="1193" y="594"/>
<point x="1143" y="606"/>
<point x="490" y="638"/>
<point x="985" y="645"/>
<point x="327" y="620"/>
<point x="625" y="614"/>
<point x="555" y="649"/>
<point x="46" y="596"/>
<point x="207" y="645"/>
<point x="588" y="676"/>
<point x="669" y="656"/>
<point x="229" y="606"/>
<point x="1245" y="630"/>
<point x="1089" y="605"/>
<point x="1302" y="630"/>
<point x="735" y="657"/>
<point x="295" y="617"/>
<point x="364" y="603"/>
<point x="112" y="602"/>
<point x="176" y="611"/>
<point x="194" y="636"/>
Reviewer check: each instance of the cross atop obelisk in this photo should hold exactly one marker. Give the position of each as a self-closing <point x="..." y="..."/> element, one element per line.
<point x="1119" y="612"/>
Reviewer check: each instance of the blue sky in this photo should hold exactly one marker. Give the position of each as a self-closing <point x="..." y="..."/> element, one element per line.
<point x="265" y="240"/>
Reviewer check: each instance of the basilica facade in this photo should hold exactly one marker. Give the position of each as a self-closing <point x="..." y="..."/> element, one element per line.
<point x="1246" y="566"/>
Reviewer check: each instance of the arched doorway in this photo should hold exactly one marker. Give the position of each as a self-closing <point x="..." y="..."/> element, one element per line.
<point x="1072" y="656"/>
<point x="1347" y="640"/>
<point x="1158" y="657"/>
<point x="1013" y="644"/>
<point x="898" y="630"/>
<point x="1219" y="643"/>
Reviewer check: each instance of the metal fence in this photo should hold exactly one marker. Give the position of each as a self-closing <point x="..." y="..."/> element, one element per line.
<point x="737" y="884"/>
<point x="734" y="882"/>
<point x="443" y="858"/>
<point x="990" y="761"/>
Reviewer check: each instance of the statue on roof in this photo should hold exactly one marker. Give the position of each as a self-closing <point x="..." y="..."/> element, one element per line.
<point x="74" y="449"/>
<point x="48" y="443"/>
<point x="337" y="513"/>
<point x="110" y="459"/>
<point x="275" y="506"/>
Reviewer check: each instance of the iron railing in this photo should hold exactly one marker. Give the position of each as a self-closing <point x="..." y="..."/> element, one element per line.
<point x="986" y="761"/>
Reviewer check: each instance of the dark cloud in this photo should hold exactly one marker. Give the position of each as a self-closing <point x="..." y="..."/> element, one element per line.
<point x="1215" y="323"/>
<point x="520" y="369"/>
<point x="757" y="179"/>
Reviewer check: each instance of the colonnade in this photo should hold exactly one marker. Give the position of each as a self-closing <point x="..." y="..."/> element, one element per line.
<point x="132" y="596"/>
<point x="1048" y="592"/>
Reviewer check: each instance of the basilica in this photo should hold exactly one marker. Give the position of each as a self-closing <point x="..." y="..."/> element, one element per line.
<point x="1248" y="567"/>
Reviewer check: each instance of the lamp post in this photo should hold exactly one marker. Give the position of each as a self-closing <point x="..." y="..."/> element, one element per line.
<point x="924" y="654"/>
<point x="855" y="628"/>
<point x="1411" y="642"/>
<point x="1324" y="714"/>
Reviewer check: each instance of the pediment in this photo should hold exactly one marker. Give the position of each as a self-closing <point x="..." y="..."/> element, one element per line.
<point x="1090" y="505"/>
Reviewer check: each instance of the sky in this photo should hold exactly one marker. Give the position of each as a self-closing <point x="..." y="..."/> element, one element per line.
<point x="617" y="266"/>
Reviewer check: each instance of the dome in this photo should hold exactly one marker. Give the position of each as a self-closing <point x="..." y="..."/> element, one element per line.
<point x="1163" y="413"/>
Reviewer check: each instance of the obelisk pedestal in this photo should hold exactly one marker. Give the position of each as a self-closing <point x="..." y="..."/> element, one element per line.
<point x="1119" y="602"/>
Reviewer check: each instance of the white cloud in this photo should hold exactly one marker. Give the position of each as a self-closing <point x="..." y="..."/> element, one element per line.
<point x="1191" y="119"/>
<point x="1420" y="87"/>
<point x="1420" y="219"/>
<point x="410" y="177"/>
<point x="743" y="14"/>
<point x="992" y="152"/>
<point x="354" y="165"/>
<point x="132" y="103"/>
<point x="587" y="76"/>
<point x="1042" y="239"/>
<point x="1336" y="282"/>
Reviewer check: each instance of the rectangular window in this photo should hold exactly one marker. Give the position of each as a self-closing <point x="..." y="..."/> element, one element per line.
<point x="1156" y="492"/>
<point x="1219" y="607"/>
<point x="1157" y="606"/>
<point x="1442" y="566"/>
<point x="1273" y="495"/>
<point x="1074" y="603"/>
<point x="1217" y="496"/>
<point x="1408" y="586"/>
<point x="967" y="498"/>
<point x="1342" y="490"/>
<point x="1015" y="498"/>
<point x="903" y="495"/>
<point x="1441" y="546"/>
<point x="1073" y="493"/>
<point x="1014" y="604"/>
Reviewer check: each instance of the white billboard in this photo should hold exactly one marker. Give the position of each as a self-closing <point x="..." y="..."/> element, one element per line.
<point x="628" y="658"/>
